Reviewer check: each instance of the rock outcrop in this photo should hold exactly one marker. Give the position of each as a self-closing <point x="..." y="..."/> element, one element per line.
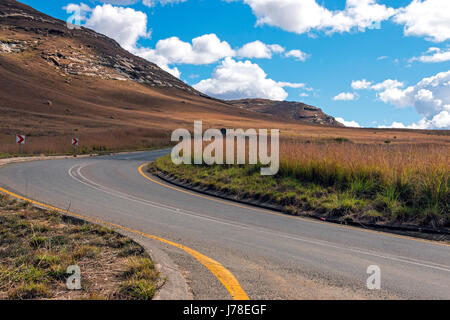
<point x="289" y="110"/>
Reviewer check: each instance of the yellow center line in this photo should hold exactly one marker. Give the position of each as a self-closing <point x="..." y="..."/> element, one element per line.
<point x="248" y="207"/>
<point x="218" y="270"/>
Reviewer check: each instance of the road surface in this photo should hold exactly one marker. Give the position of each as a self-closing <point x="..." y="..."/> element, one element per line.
<point x="273" y="256"/>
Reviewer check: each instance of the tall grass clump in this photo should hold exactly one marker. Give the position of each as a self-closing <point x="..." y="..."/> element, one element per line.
<point x="413" y="176"/>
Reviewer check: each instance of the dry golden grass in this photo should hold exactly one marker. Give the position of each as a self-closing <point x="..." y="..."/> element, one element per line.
<point x="346" y="161"/>
<point x="388" y="182"/>
<point x="414" y="174"/>
<point x="93" y="142"/>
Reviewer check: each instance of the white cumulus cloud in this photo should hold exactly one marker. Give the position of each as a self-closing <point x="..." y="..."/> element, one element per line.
<point x="430" y="97"/>
<point x="428" y="18"/>
<point x="290" y="84"/>
<point x="352" y="123"/>
<point x="202" y="50"/>
<point x="258" y="49"/>
<point x="361" y="84"/>
<point x="125" y="25"/>
<point x="394" y="125"/>
<point x="389" y="89"/>
<point x="344" y="96"/>
<point x="297" y="54"/>
<point x="242" y="79"/>
<point x="205" y="49"/>
<point x="425" y="18"/>
<point x="387" y="84"/>
<point x="307" y="15"/>
<point x="433" y="55"/>
<point x="439" y="121"/>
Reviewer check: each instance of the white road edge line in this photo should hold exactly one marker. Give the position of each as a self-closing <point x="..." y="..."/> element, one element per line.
<point x="175" y="210"/>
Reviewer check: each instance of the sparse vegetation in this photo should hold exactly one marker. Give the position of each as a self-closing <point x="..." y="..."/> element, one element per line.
<point x="351" y="182"/>
<point x="57" y="143"/>
<point x="141" y="279"/>
<point x="6" y="155"/>
<point x="37" y="246"/>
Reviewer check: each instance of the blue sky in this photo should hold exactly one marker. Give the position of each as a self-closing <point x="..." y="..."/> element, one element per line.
<point x="322" y="47"/>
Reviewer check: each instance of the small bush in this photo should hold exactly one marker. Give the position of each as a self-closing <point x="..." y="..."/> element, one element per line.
<point x="137" y="290"/>
<point x="141" y="279"/>
<point x="341" y="140"/>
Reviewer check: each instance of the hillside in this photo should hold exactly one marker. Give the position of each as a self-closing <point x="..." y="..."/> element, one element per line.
<point x="289" y="110"/>
<point x="83" y="52"/>
<point x="58" y="83"/>
<point x="61" y="82"/>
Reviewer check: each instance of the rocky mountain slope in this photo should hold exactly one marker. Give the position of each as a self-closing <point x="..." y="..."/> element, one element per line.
<point x="84" y="52"/>
<point x="289" y="110"/>
<point x="34" y="37"/>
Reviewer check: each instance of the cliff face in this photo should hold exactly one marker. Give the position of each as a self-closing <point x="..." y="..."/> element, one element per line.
<point x="289" y="110"/>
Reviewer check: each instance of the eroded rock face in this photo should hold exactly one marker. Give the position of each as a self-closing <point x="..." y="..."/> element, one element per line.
<point x="78" y="51"/>
<point x="80" y="61"/>
<point x="16" y="45"/>
<point x="289" y="110"/>
<point x="9" y="47"/>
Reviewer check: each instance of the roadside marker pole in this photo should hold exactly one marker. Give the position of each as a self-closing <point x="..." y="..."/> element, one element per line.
<point x="20" y="140"/>
<point x="75" y="142"/>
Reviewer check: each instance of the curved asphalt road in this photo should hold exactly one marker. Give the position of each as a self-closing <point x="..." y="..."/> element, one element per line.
<point x="273" y="256"/>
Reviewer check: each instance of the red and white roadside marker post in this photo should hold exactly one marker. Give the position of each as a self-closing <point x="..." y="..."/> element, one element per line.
<point x="20" y="140"/>
<point x="75" y="143"/>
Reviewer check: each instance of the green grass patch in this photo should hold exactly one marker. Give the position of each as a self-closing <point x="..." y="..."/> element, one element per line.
<point x="141" y="279"/>
<point x="329" y="190"/>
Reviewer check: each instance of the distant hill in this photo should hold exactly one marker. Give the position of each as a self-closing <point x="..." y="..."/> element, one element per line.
<point x="288" y="110"/>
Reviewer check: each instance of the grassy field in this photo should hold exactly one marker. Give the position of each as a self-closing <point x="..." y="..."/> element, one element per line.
<point x="37" y="246"/>
<point x="131" y="139"/>
<point x="378" y="183"/>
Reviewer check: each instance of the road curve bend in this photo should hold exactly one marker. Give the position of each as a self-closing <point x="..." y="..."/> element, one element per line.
<point x="267" y="255"/>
